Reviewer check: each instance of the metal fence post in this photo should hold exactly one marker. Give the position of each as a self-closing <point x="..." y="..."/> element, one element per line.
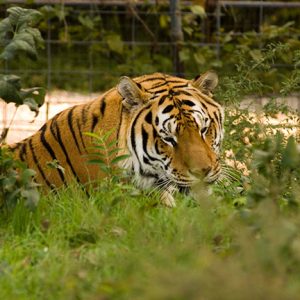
<point x="49" y="68"/>
<point x="218" y="25"/>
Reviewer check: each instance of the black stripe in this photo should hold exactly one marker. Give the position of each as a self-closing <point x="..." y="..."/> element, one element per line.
<point x="102" y="106"/>
<point x="80" y="134"/>
<point x="145" y="137"/>
<point x="177" y="81"/>
<point x="159" y="91"/>
<point x="59" y="139"/>
<point x="188" y="102"/>
<point x="205" y="106"/>
<point x="94" y="122"/>
<point x="84" y="112"/>
<point x="132" y="134"/>
<point x="165" y="121"/>
<point x="53" y="127"/>
<point x="22" y="153"/>
<point x="167" y="109"/>
<point x="217" y="117"/>
<point x="37" y="164"/>
<point x="186" y="93"/>
<point x="151" y="79"/>
<point x="148" y="117"/>
<point x="162" y="99"/>
<point x="70" y="123"/>
<point x="139" y="85"/>
<point x="119" y="127"/>
<point x="210" y="102"/>
<point x="146" y="160"/>
<point x="50" y="150"/>
<point x="157" y="85"/>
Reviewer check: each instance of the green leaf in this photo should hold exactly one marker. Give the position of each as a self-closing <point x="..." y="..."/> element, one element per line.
<point x="98" y="147"/>
<point x="199" y="58"/>
<point x="198" y="10"/>
<point x="7" y="184"/>
<point x="256" y="55"/>
<point x="31" y="196"/>
<point x="97" y="161"/>
<point x="115" y="43"/>
<point x="17" y="45"/>
<point x="112" y="144"/>
<point x="9" y="91"/>
<point x="5" y="28"/>
<point x="87" y="22"/>
<point x="290" y="155"/>
<point x="18" y="35"/>
<point x="19" y="16"/>
<point x="36" y="93"/>
<point x="119" y="158"/>
<point x="114" y="150"/>
<point x="54" y="164"/>
<point x="164" y="21"/>
<point x="93" y="135"/>
<point x="27" y="175"/>
<point x="184" y="55"/>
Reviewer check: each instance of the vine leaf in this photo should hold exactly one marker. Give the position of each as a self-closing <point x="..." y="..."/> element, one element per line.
<point x="10" y="91"/>
<point x="17" y="34"/>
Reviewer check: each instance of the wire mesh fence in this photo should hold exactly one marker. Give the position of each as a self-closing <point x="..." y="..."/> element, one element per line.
<point x="90" y="44"/>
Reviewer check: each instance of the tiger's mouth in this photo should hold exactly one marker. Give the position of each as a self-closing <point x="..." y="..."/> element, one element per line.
<point x="184" y="189"/>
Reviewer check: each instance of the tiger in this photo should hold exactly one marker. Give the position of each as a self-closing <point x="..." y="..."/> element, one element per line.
<point x="169" y="128"/>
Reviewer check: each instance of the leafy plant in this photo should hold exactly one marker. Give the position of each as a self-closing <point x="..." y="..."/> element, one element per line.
<point x="18" y="37"/>
<point x="276" y="172"/>
<point x="16" y="182"/>
<point x="104" y="154"/>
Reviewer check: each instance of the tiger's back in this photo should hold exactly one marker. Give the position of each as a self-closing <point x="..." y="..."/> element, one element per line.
<point x="62" y="139"/>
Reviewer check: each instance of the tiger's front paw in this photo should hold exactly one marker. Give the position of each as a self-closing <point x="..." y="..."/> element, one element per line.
<point x="167" y="199"/>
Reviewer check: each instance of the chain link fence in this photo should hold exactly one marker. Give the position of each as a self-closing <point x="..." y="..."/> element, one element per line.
<point x="90" y="44"/>
<point x="142" y="44"/>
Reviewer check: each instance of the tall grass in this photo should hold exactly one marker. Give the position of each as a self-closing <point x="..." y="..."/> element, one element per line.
<point x="117" y="245"/>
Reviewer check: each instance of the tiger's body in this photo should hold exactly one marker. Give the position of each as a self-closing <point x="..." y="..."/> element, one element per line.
<point x="171" y="128"/>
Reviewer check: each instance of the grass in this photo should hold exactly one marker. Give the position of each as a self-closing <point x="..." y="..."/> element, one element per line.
<point x="118" y="244"/>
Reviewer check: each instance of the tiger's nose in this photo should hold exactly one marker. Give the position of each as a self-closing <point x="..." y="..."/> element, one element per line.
<point x="200" y="172"/>
<point x="206" y="170"/>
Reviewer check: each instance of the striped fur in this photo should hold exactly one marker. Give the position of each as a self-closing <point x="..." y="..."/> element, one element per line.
<point x="171" y="127"/>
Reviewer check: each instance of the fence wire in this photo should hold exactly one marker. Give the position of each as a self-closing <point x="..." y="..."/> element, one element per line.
<point x="74" y="62"/>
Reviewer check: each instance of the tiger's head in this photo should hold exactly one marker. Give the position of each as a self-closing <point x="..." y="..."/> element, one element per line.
<point x="174" y="131"/>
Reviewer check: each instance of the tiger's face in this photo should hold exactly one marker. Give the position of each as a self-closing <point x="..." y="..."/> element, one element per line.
<point x="175" y="132"/>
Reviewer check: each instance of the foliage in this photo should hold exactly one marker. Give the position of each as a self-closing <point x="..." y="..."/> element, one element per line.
<point x="104" y="154"/>
<point x="18" y="37"/>
<point x="112" y="44"/>
<point x="116" y="245"/>
<point x="276" y="172"/>
<point x="16" y="183"/>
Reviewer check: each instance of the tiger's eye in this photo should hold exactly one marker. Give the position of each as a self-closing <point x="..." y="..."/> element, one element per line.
<point x="170" y="140"/>
<point x="203" y="130"/>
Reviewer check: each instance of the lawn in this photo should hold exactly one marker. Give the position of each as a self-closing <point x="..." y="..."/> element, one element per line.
<point x="121" y="244"/>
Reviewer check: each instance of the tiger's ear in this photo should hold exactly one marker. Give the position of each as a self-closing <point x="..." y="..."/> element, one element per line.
<point x="206" y="82"/>
<point x="131" y="92"/>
